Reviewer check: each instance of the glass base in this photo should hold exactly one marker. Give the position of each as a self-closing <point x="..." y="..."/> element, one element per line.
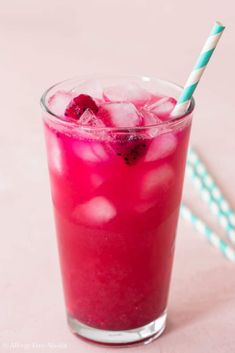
<point x="144" y="334"/>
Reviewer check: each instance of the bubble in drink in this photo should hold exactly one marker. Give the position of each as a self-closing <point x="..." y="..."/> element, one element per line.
<point x="163" y="107"/>
<point x="120" y="114"/>
<point x="161" y="147"/>
<point x="156" y="180"/>
<point x="90" y="151"/>
<point x="59" y="102"/>
<point x="96" y="211"/>
<point x="129" y="92"/>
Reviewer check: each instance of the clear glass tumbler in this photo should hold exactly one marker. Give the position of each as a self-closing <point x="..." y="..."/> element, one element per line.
<point x="115" y="220"/>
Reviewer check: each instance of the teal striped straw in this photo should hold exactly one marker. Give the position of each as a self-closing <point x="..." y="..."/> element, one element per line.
<point x="201" y="63"/>
<point x="211" y="193"/>
<point x="207" y="232"/>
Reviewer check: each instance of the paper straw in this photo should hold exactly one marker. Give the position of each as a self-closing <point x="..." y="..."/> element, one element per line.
<point x="207" y="232"/>
<point x="201" y="63"/>
<point x="211" y="193"/>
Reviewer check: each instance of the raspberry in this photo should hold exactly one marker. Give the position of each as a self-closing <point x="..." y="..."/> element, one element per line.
<point x="79" y="105"/>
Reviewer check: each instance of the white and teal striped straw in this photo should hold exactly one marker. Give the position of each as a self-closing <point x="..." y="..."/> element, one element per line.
<point x="211" y="193"/>
<point x="204" y="57"/>
<point x="207" y="232"/>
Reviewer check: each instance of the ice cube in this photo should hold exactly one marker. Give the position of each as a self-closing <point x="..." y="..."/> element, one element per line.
<point x="59" y="102"/>
<point x="150" y="119"/>
<point x="120" y="115"/>
<point x="99" y="151"/>
<point x="129" y="92"/>
<point x="91" y="87"/>
<point x="96" y="211"/>
<point x="91" y="151"/>
<point x="163" y="107"/>
<point x="88" y="118"/>
<point x="156" y="180"/>
<point x="54" y="153"/>
<point x="161" y="147"/>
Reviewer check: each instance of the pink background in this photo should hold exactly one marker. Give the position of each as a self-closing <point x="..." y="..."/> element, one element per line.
<point x="42" y="42"/>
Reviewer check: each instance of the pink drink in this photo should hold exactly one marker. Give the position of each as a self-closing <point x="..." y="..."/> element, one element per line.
<point x="116" y="195"/>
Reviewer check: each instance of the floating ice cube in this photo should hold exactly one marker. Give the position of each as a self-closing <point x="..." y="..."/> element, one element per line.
<point x="96" y="211"/>
<point x="88" y="118"/>
<point x="129" y="92"/>
<point x="99" y="151"/>
<point x="59" y="102"/>
<point x="156" y="180"/>
<point x="91" y="87"/>
<point x="163" y="107"/>
<point x="90" y="151"/>
<point x="161" y="147"/>
<point x="121" y="114"/>
<point x="54" y="153"/>
<point x="150" y="119"/>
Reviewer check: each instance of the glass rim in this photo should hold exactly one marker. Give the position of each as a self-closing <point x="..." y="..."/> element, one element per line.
<point x="58" y="120"/>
